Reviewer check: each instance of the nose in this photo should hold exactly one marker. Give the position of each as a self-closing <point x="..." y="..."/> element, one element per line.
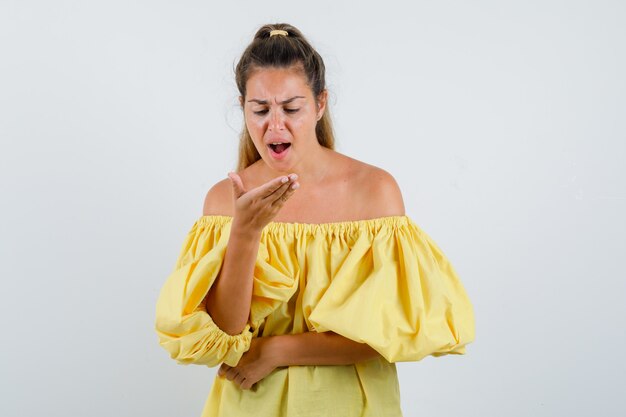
<point x="276" y="121"/>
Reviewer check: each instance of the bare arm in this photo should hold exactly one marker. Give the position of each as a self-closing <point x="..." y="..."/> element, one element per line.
<point x="228" y="300"/>
<point x="312" y="348"/>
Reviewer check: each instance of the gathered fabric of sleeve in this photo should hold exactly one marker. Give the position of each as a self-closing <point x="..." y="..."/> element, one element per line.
<point x="184" y="327"/>
<point x="396" y="291"/>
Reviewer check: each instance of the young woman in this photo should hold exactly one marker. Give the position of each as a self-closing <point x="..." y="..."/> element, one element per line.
<point x="304" y="279"/>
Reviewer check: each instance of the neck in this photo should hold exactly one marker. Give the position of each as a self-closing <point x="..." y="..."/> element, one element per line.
<point x="311" y="169"/>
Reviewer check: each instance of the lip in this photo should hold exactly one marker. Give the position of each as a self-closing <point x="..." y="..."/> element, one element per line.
<point x="278" y="140"/>
<point x="278" y="156"/>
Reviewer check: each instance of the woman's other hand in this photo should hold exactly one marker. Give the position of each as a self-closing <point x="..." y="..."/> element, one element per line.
<point x="255" y="364"/>
<point x="257" y="207"/>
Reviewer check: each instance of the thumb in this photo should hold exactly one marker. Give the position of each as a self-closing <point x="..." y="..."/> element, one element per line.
<point x="237" y="184"/>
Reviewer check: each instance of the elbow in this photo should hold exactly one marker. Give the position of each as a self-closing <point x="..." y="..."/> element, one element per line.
<point x="228" y="322"/>
<point x="227" y="325"/>
<point x="234" y="331"/>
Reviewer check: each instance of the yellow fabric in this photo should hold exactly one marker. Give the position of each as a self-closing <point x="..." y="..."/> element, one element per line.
<point x="380" y="281"/>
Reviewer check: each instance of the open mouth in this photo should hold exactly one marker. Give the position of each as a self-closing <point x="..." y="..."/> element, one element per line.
<point x="279" y="148"/>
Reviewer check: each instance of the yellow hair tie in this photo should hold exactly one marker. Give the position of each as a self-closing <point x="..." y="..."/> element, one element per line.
<point x="278" y="32"/>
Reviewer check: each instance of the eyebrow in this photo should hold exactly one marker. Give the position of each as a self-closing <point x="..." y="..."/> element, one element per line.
<point x="289" y="100"/>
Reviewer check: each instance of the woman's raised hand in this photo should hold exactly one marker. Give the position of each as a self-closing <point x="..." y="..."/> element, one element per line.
<point x="257" y="207"/>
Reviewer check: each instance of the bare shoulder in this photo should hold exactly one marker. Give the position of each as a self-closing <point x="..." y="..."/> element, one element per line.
<point x="218" y="200"/>
<point x="380" y="192"/>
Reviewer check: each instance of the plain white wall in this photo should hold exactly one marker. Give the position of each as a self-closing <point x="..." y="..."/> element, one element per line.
<point x="503" y="123"/>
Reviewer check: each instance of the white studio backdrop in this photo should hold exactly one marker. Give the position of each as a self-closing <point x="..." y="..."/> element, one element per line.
<point x="503" y="123"/>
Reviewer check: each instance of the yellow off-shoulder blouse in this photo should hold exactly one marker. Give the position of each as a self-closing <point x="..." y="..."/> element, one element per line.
<point x="380" y="281"/>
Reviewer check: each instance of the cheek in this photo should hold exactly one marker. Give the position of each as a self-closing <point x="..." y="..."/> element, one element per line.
<point x="300" y="124"/>
<point x="255" y="127"/>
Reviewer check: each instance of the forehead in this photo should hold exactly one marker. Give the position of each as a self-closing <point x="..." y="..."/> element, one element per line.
<point x="276" y="84"/>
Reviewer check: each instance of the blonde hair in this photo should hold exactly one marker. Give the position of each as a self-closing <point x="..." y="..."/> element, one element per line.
<point x="292" y="50"/>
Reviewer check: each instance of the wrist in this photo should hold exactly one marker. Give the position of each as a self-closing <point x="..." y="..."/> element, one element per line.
<point x="274" y="350"/>
<point x="244" y="231"/>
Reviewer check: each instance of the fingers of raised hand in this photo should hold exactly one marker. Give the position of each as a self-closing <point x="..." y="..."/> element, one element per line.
<point x="237" y="184"/>
<point x="282" y="195"/>
<point x="277" y="186"/>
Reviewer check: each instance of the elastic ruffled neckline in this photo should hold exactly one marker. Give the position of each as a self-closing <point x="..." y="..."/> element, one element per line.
<point x="374" y="223"/>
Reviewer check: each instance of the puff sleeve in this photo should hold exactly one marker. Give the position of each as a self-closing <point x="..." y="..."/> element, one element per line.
<point x="183" y="326"/>
<point x="397" y="292"/>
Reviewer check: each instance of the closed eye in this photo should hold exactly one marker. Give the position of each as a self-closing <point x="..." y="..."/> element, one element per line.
<point x="260" y="112"/>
